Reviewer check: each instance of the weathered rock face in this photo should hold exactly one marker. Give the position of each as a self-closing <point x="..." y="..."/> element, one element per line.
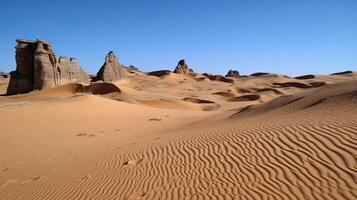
<point x="22" y="79"/>
<point x="111" y="70"/>
<point x="37" y="67"/>
<point x="182" y="68"/>
<point x="70" y="71"/>
<point x="233" y="74"/>
<point x="45" y="69"/>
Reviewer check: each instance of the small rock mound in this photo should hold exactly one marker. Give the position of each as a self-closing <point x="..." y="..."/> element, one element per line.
<point x="317" y="84"/>
<point x="259" y="74"/>
<point x="132" y="67"/>
<point x="309" y="76"/>
<point x="98" y="88"/>
<point x="103" y="88"/>
<point x="233" y="74"/>
<point x="218" y="78"/>
<point x="111" y="70"/>
<point x="159" y="73"/>
<point x="182" y="68"/>
<point x="342" y="73"/>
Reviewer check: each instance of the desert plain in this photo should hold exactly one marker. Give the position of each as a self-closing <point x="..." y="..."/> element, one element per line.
<point x="174" y="136"/>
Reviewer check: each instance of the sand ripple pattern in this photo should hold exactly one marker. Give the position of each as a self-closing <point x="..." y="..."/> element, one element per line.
<point x="290" y="157"/>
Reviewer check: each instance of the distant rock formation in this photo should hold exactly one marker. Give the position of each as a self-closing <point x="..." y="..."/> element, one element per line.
<point x="182" y="68"/>
<point x="37" y="67"/>
<point x="132" y="67"/>
<point x="159" y="73"/>
<point x="259" y="74"/>
<point x="111" y="70"/>
<point x="233" y="73"/>
<point x="218" y="78"/>
<point x="342" y="73"/>
<point x="309" y="76"/>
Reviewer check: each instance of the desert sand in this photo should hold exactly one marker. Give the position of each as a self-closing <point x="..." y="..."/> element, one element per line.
<point x="181" y="137"/>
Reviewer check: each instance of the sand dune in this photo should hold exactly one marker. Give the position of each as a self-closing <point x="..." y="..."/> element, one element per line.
<point x="173" y="137"/>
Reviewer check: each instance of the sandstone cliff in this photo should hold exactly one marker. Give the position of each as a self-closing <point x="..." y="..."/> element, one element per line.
<point x="37" y="67"/>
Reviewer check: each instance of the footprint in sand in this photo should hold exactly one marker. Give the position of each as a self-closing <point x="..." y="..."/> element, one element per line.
<point x="133" y="163"/>
<point x="85" y="135"/>
<point x="32" y="180"/>
<point x="155" y="119"/>
<point x="6" y="169"/>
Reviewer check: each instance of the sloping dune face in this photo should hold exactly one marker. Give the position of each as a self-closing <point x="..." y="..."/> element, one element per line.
<point x="300" y="146"/>
<point x="297" y="150"/>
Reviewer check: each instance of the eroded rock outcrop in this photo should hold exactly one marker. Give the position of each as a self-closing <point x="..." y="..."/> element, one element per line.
<point x="233" y="74"/>
<point x="182" y="68"/>
<point x="309" y="76"/>
<point x="70" y="71"/>
<point x="159" y="73"/>
<point x="111" y="70"/>
<point x="259" y="74"/>
<point x="343" y="73"/>
<point x="218" y="78"/>
<point x="37" y="67"/>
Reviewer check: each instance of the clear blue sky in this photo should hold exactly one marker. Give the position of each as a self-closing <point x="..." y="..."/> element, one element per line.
<point x="284" y="36"/>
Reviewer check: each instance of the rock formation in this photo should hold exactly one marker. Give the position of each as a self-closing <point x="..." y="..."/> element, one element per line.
<point x="70" y="71"/>
<point x="182" y="68"/>
<point x="111" y="70"/>
<point x="309" y="76"/>
<point x="342" y="73"/>
<point x="259" y="74"/>
<point x="132" y="67"/>
<point x="22" y="79"/>
<point x="218" y="78"/>
<point x="233" y="74"/>
<point x="159" y="73"/>
<point x="37" y="67"/>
